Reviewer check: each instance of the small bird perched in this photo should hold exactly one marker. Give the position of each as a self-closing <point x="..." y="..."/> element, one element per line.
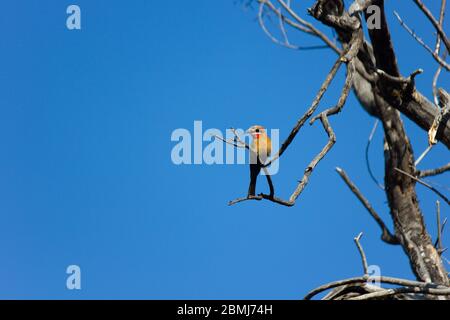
<point x="260" y="150"/>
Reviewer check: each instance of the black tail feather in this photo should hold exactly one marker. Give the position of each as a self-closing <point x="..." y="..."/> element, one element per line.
<point x="254" y="172"/>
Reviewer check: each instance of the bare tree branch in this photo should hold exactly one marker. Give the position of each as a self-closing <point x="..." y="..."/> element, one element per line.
<point x="436" y="24"/>
<point x="282" y="19"/>
<point x="358" y="284"/>
<point x="391" y="292"/>
<point x="362" y="253"/>
<point x="438" y="243"/>
<point x="423" y="155"/>
<point x="433" y="172"/>
<point x="422" y="43"/>
<point x="311" y="27"/>
<point x="437" y="51"/>
<point x="424" y="184"/>
<point x="386" y="235"/>
<point x="308" y="113"/>
<point x="441" y="117"/>
<point x="424" y="286"/>
<point x="401" y="194"/>
<point x="230" y="142"/>
<point x="436" y="79"/>
<point x="373" y="72"/>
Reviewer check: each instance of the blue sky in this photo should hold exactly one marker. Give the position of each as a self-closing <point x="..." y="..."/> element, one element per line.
<point x="86" y="174"/>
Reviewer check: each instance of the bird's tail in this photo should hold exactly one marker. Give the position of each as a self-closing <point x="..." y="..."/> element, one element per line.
<point x="254" y="172"/>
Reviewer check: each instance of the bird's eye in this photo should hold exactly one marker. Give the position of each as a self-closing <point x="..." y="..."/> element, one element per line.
<point x="257" y="130"/>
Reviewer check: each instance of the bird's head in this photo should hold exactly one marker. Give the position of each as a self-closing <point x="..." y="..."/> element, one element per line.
<point x="256" y="131"/>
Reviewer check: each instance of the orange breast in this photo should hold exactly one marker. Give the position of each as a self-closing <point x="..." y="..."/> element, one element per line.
<point x="263" y="146"/>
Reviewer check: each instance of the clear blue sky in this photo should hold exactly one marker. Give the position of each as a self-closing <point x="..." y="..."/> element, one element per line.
<point x="87" y="179"/>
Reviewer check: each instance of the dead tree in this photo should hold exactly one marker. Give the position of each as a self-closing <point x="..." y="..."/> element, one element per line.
<point x="373" y="74"/>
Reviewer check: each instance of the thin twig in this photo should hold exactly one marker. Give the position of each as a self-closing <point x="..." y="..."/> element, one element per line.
<point x="437" y="51"/>
<point x="363" y="255"/>
<point x="422" y="43"/>
<point x="344" y="95"/>
<point x="238" y="138"/>
<point x="392" y="292"/>
<point x="284" y="43"/>
<point x="440" y="229"/>
<point x="233" y="202"/>
<point x="347" y="57"/>
<point x="381" y="279"/>
<point x="400" y="80"/>
<point x="308" y="113"/>
<point x="434" y="22"/>
<point x="422" y="156"/>
<point x="230" y="142"/>
<point x="286" y="19"/>
<point x="369" y="168"/>
<point x="311" y="27"/>
<point x="443" y="225"/>
<point x="424" y="184"/>
<point x="386" y="236"/>
<point x="441" y="24"/>
<point x="436" y="78"/>
<point x="408" y="286"/>
<point x="433" y="172"/>
<point x="331" y="138"/>
<point x="438" y="243"/>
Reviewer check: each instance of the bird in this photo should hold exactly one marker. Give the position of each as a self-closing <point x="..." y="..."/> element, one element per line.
<point x="260" y="149"/>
